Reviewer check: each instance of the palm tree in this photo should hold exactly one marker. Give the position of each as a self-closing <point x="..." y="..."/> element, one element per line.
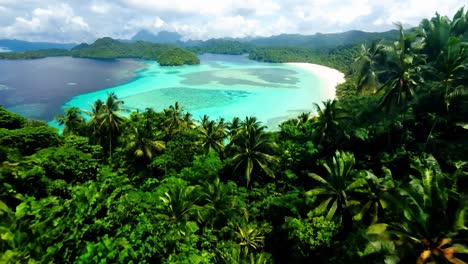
<point x="143" y="145"/>
<point x="250" y="125"/>
<point x="73" y="120"/>
<point x="105" y="121"/>
<point x="189" y="122"/>
<point x="250" y="238"/>
<point x="459" y="24"/>
<point x="427" y="226"/>
<point x="452" y="62"/>
<point x="303" y="118"/>
<point x="111" y="120"/>
<point x="233" y="127"/>
<point x="143" y="140"/>
<point x="375" y="196"/>
<point x="327" y="121"/>
<point x="252" y="148"/>
<point x="236" y="256"/>
<point x="438" y="31"/>
<point x="405" y="72"/>
<point x="446" y="51"/>
<point x="334" y="190"/>
<point x="212" y="136"/>
<point x="368" y="59"/>
<point x="95" y="120"/>
<point x="204" y="120"/>
<point x="219" y="202"/>
<point x="174" y="118"/>
<point x="248" y="234"/>
<point x="179" y="203"/>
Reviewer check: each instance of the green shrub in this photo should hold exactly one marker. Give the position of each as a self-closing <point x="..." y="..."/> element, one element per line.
<point x="29" y="139"/>
<point x="10" y="120"/>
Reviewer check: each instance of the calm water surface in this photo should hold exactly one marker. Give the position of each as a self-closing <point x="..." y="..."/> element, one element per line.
<point x="39" y="88"/>
<point x="221" y="86"/>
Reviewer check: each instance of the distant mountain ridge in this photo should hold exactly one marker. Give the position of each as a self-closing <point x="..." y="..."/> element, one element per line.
<point x="322" y="40"/>
<point x="288" y="40"/>
<point x="21" y="45"/>
<point x="108" y="48"/>
<point x="219" y="46"/>
<point x="164" y="37"/>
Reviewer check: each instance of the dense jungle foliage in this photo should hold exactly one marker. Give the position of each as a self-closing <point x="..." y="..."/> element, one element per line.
<point x="107" y="48"/>
<point x="320" y="40"/>
<point x="35" y="54"/>
<point x="340" y="58"/>
<point x="377" y="176"/>
<point x="220" y="46"/>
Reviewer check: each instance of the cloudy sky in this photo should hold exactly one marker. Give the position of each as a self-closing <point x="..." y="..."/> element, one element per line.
<point x="84" y="21"/>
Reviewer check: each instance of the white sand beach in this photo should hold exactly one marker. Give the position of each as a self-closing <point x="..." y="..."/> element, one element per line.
<point x="331" y="77"/>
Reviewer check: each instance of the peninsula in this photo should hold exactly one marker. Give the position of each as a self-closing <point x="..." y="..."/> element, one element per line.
<point x="108" y="48"/>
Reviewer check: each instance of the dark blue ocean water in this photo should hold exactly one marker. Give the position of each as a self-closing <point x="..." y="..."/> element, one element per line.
<point x="38" y="88"/>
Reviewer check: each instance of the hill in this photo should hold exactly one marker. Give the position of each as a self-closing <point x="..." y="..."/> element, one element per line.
<point x="168" y="49"/>
<point x="321" y="40"/>
<point x="108" y="48"/>
<point x="164" y="37"/>
<point x="220" y="46"/>
<point x="20" y="45"/>
<point x="244" y="45"/>
<point x="34" y="54"/>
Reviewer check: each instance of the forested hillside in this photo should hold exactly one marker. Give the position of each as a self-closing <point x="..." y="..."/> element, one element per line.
<point x="107" y="48"/>
<point x="20" y="46"/>
<point x="323" y="40"/>
<point x="318" y="40"/>
<point x="37" y="54"/>
<point x="220" y="46"/>
<point x="341" y="57"/>
<point x="379" y="175"/>
<point x="161" y="37"/>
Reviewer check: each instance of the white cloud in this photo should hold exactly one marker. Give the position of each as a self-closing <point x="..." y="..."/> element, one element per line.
<point x="412" y="11"/>
<point x="237" y="25"/>
<point x="208" y="7"/>
<point x="158" y="22"/>
<point x="332" y="12"/>
<point x="51" y="23"/>
<point x="85" y="20"/>
<point x="218" y="27"/>
<point x="148" y="23"/>
<point x="100" y="8"/>
<point x="259" y="7"/>
<point x="42" y="12"/>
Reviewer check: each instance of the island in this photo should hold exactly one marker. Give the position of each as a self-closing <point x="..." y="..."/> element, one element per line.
<point x="108" y="48"/>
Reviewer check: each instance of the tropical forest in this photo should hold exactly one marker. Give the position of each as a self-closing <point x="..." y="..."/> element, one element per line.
<point x="377" y="175"/>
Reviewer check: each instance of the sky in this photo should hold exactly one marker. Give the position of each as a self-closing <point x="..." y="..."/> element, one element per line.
<point x="79" y="21"/>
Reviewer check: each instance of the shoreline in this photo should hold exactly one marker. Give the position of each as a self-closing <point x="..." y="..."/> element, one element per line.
<point x="329" y="76"/>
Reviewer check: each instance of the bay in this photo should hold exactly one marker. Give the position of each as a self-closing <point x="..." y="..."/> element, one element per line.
<point x="39" y="88"/>
<point x="222" y="86"/>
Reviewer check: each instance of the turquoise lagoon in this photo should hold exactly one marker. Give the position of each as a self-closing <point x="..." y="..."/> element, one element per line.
<point x="222" y="86"/>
